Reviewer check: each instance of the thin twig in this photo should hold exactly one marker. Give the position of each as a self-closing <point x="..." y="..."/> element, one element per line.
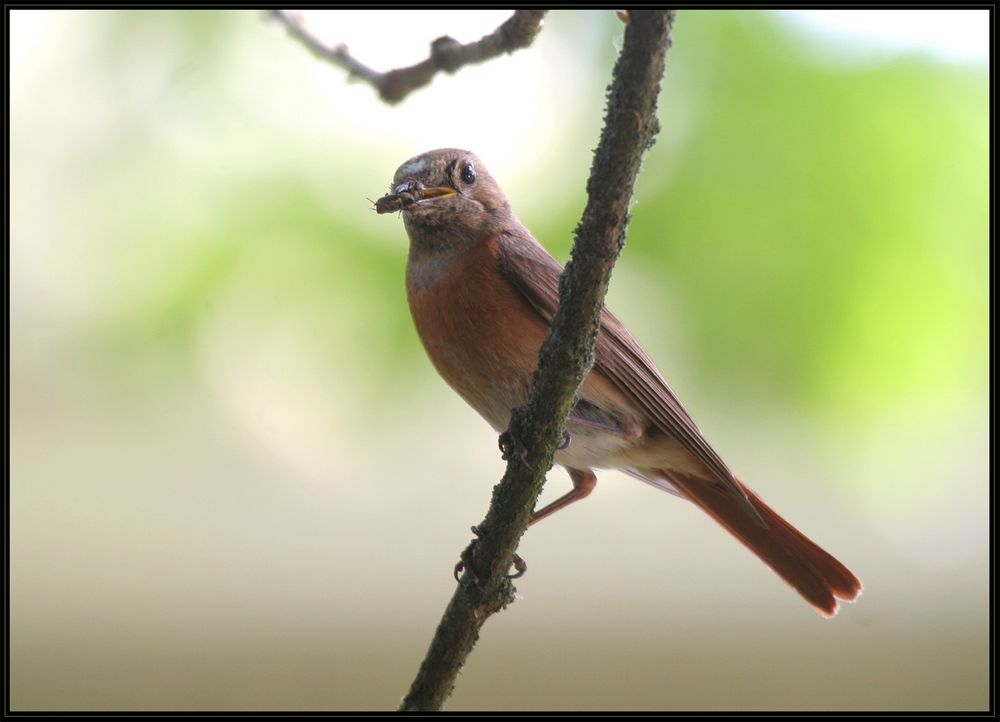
<point x="564" y="359"/>
<point x="447" y="54"/>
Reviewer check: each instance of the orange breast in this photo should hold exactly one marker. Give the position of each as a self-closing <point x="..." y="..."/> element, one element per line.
<point x="480" y="333"/>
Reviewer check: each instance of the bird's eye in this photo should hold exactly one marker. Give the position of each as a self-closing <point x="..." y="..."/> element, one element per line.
<point x="468" y="174"/>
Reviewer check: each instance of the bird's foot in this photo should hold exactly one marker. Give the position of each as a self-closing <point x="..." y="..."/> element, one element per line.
<point x="520" y="566"/>
<point x="511" y="447"/>
<point x="465" y="562"/>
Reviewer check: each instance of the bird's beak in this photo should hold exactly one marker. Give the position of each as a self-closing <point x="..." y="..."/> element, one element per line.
<point x="437" y="192"/>
<point x="426" y="197"/>
<point x="408" y="196"/>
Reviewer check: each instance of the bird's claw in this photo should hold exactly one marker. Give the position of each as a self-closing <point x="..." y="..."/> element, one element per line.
<point x="511" y="447"/>
<point x="465" y="563"/>
<point x="567" y="440"/>
<point x="520" y="565"/>
<point x="465" y="560"/>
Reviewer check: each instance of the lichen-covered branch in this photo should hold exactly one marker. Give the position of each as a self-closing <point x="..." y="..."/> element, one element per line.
<point x="630" y="127"/>
<point x="447" y="54"/>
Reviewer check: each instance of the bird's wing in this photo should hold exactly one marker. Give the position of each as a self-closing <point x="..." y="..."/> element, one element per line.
<point x="535" y="273"/>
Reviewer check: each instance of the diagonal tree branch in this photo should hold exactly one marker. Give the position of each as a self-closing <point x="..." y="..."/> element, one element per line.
<point x="630" y="127"/>
<point x="447" y="54"/>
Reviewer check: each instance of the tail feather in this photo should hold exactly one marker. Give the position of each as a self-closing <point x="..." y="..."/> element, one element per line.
<point x="814" y="574"/>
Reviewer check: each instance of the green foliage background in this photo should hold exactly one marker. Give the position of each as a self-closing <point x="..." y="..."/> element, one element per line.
<point x="236" y="482"/>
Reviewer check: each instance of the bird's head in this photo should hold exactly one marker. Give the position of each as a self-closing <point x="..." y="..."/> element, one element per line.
<point x="447" y="192"/>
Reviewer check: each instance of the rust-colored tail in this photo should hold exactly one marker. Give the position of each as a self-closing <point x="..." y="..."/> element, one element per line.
<point x="816" y="575"/>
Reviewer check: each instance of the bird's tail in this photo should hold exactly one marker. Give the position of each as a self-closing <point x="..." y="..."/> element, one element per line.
<point x="814" y="574"/>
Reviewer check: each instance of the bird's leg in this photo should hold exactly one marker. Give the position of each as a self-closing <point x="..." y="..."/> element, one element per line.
<point x="584" y="481"/>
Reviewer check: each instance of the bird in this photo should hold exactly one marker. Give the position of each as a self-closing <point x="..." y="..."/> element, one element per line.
<point x="482" y="292"/>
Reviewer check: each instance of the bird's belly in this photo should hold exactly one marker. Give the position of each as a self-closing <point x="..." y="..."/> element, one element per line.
<point x="602" y="426"/>
<point x="483" y="338"/>
<point x="591" y="449"/>
<point x="480" y="334"/>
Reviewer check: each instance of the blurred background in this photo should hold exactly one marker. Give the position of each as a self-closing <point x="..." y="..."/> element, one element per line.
<point x="237" y="482"/>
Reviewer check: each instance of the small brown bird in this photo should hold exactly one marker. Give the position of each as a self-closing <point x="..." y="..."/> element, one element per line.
<point x="483" y="291"/>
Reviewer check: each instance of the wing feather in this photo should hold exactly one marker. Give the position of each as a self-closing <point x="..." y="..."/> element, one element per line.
<point x="535" y="273"/>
